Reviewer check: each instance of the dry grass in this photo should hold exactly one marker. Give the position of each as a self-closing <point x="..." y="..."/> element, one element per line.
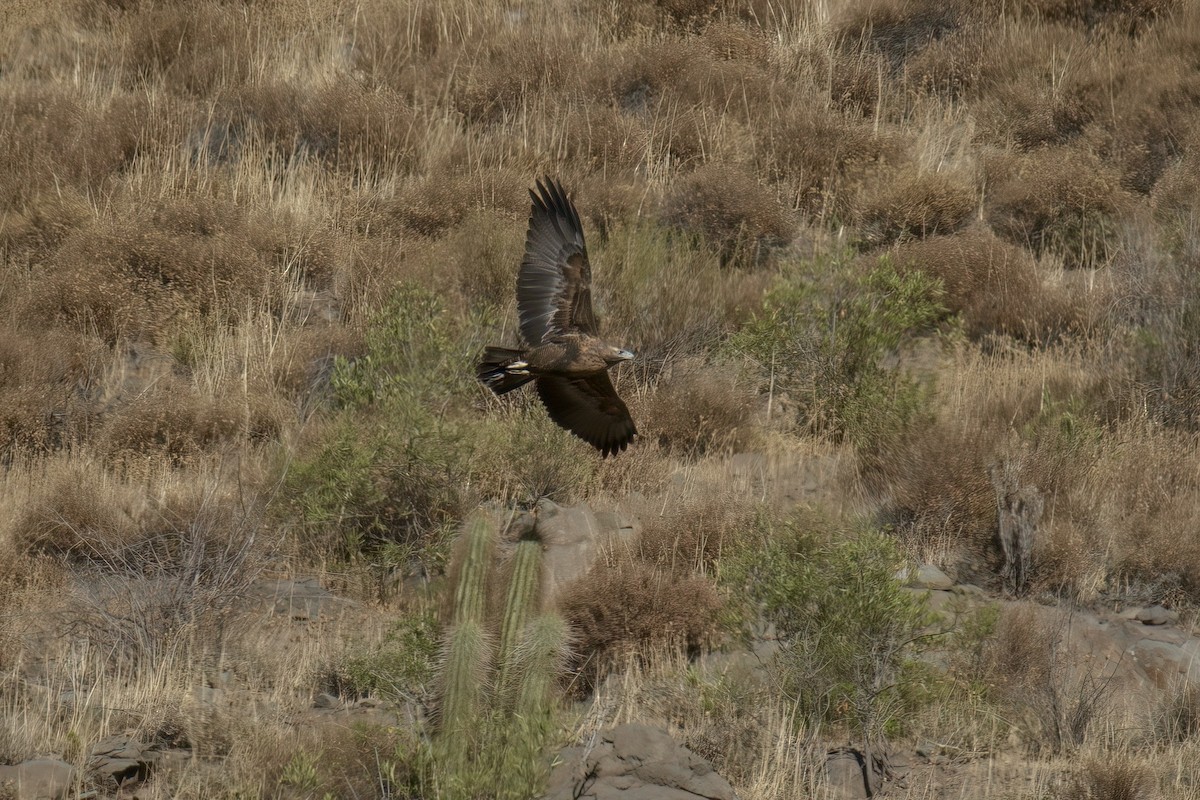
<point x="204" y="206"/>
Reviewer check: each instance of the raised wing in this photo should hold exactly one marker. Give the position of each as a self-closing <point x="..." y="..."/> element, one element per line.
<point x="554" y="287"/>
<point x="589" y="408"/>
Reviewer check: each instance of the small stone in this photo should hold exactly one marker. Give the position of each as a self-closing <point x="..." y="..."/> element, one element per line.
<point x="844" y="775"/>
<point x="1153" y="615"/>
<point x="930" y="577"/>
<point x="326" y="700"/>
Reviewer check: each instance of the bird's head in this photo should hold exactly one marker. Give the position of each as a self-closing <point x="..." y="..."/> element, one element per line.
<point x="615" y="355"/>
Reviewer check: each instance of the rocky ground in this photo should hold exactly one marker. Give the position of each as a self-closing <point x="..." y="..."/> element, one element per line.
<point x="1132" y="654"/>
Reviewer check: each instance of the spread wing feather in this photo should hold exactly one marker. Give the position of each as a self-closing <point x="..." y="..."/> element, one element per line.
<point x="589" y="408"/>
<point x="554" y="286"/>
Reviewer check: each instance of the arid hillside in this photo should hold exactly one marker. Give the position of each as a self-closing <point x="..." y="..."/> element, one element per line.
<point x="915" y="291"/>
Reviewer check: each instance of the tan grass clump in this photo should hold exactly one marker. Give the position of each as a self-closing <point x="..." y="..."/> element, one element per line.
<point x="908" y="204"/>
<point x="699" y="408"/>
<point x="729" y="208"/>
<point x="1060" y="201"/>
<point x="1113" y="776"/>
<point x="693" y="533"/>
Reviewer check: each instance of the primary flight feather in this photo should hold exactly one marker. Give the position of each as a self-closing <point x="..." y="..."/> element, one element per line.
<point x="564" y="353"/>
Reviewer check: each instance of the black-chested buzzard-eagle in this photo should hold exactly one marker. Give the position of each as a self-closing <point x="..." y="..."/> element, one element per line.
<point x="564" y="353"/>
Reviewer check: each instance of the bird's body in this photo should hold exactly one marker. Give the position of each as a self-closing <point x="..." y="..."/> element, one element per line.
<point x="564" y="355"/>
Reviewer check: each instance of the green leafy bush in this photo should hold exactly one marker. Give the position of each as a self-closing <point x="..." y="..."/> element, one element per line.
<point x="829" y="358"/>
<point x="849" y="631"/>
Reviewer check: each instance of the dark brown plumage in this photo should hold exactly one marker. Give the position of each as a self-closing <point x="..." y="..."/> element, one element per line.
<point x="564" y="353"/>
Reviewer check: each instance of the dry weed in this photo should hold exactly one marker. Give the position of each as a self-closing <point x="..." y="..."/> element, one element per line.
<point x="729" y="208"/>
<point x="907" y="204"/>
<point x="1061" y="201"/>
<point x="631" y="607"/>
<point x="698" y="408"/>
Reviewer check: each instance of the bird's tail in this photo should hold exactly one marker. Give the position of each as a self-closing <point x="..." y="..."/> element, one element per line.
<point x="503" y="369"/>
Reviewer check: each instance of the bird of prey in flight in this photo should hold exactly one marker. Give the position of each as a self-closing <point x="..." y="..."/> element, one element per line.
<point x="564" y="354"/>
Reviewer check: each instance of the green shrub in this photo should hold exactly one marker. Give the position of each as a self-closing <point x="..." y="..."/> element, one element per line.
<point x="403" y="663"/>
<point x="849" y="632"/>
<point x="828" y="358"/>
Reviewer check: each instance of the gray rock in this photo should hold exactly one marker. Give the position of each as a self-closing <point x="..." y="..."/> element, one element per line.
<point x="301" y="599"/>
<point x="1165" y="663"/>
<point x="326" y="700"/>
<point x="37" y="779"/>
<point x="635" y="762"/>
<point x="120" y="760"/>
<point x="572" y="538"/>
<point x="969" y="590"/>
<point x="1153" y="615"/>
<point x="844" y="776"/>
<point x="928" y="576"/>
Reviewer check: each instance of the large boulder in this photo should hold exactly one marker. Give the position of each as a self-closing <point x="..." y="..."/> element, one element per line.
<point x="37" y="779"/>
<point x="572" y="538"/>
<point x="636" y="762"/>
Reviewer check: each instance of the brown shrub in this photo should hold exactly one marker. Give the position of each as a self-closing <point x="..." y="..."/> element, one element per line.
<point x="899" y="29"/>
<point x="908" y="204"/>
<point x="605" y="201"/>
<point x="601" y="138"/>
<point x="1015" y="104"/>
<point x="1045" y="676"/>
<point x="131" y="275"/>
<point x="41" y="374"/>
<point x="730" y="209"/>
<point x="360" y="131"/>
<point x="510" y="68"/>
<point x="172" y="421"/>
<point x="668" y="296"/>
<point x="698" y="408"/>
<point x="994" y="285"/>
<point x="194" y="49"/>
<point x="52" y="137"/>
<point x="694" y="531"/>
<point x="688" y="73"/>
<point x="81" y="513"/>
<point x="814" y="153"/>
<point x="1062" y="201"/>
<point x="1127" y="17"/>
<point x="631" y="608"/>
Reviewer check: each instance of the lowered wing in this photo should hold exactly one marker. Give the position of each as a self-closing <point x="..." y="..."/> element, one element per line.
<point x="589" y="408"/>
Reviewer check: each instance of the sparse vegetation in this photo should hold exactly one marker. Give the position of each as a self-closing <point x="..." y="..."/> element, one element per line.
<point x="872" y="254"/>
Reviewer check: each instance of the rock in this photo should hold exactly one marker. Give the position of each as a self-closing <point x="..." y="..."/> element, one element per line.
<point x="844" y="776"/>
<point x="1153" y="615"/>
<point x="326" y="700"/>
<point x="118" y="760"/>
<point x="1166" y="664"/>
<point x="301" y="599"/>
<point x="572" y="538"/>
<point x="928" y="576"/>
<point x="969" y="590"/>
<point x="636" y="762"/>
<point x="37" y="779"/>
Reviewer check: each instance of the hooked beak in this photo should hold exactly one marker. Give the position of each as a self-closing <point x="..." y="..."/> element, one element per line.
<point x="625" y="355"/>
